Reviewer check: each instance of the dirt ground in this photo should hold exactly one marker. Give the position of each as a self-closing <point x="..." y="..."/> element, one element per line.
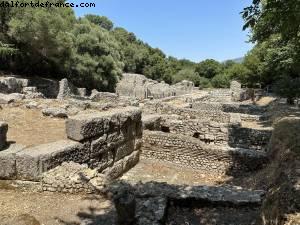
<point x="20" y="208"/>
<point x="151" y="170"/>
<point x="29" y="127"/>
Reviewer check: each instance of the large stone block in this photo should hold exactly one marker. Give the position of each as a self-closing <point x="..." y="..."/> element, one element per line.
<point x="32" y="162"/>
<point x="88" y="126"/>
<point x="8" y="162"/>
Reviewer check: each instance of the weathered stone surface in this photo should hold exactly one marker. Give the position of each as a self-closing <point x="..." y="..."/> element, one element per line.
<point x="87" y="126"/>
<point x="55" y="112"/>
<point x="139" y="86"/>
<point x="64" y="89"/>
<point x="32" y="162"/>
<point x="73" y="178"/>
<point x="236" y="89"/>
<point x="190" y="152"/>
<point x="82" y="92"/>
<point x="152" y="198"/>
<point x="9" y="98"/>
<point x="32" y="92"/>
<point x="3" y="133"/>
<point x="151" y="122"/>
<point x="8" y="162"/>
<point x="122" y="166"/>
<point x="12" y="85"/>
<point x="98" y="96"/>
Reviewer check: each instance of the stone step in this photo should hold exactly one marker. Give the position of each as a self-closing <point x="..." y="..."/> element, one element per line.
<point x="29" y="163"/>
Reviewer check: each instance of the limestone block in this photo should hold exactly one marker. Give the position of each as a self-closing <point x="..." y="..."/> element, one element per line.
<point x="9" y="98"/>
<point x="82" y="92"/>
<point x="32" y="162"/>
<point x="98" y="96"/>
<point x="64" y="89"/>
<point x="124" y="150"/>
<point x="8" y="162"/>
<point x="55" y="112"/>
<point x="85" y="126"/>
<point x="151" y="122"/>
<point x="3" y="132"/>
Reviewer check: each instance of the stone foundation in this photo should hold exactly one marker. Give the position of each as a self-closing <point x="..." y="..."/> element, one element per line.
<point x="109" y="142"/>
<point x="190" y="152"/>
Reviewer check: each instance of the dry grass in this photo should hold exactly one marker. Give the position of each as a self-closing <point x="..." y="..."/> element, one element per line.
<point x="29" y="127"/>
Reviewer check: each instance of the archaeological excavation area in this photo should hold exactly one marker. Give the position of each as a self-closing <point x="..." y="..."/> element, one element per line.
<point x="149" y="154"/>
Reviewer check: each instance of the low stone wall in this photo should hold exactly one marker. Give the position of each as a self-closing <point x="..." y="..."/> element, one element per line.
<point x="190" y="152"/>
<point x="219" y="133"/>
<point x="158" y="107"/>
<point x="242" y="137"/>
<point x="206" y="131"/>
<point x="228" y="107"/>
<point x="107" y="141"/>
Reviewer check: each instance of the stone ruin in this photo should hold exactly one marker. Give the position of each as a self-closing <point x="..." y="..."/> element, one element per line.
<point x="107" y="134"/>
<point x="136" y="85"/>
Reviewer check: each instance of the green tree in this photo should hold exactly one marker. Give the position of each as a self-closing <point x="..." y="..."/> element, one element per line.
<point x="43" y="37"/>
<point x="238" y="72"/>
<point x="102" y="21"/>
<point x="208" y="68"/>
<point x="221" y="81"/>
<point x="96" y="59"/>
<point x="187" y="74"/>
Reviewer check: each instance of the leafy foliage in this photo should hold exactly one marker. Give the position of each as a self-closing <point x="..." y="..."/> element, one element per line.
<point x="275" y="60"/>
<point x="208" y="68"/>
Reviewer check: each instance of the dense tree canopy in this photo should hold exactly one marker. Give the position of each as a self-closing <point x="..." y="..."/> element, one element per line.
<point x="275" y="60"/>
<point x="91" y="52"/>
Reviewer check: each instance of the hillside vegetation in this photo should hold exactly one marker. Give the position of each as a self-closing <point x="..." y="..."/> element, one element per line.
<point x="92" y="52"/>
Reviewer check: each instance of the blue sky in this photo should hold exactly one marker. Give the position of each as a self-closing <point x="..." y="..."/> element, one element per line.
<point x="191" y="29"/>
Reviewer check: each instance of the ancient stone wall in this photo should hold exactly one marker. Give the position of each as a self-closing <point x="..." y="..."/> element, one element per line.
<point x="108" y="141"/>
<point x="228" y="107"/>
<point x="158" y="107"/>
<point x="136" y="85"/>
<point x="12" y="85"/>
<point x="193" y="153"/>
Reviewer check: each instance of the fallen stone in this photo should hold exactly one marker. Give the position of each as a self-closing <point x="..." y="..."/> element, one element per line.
<point x="98" y="96"/>
<point x="55" y="112"/>
<point x="9" y="98"/>
<point x="151" y="122"/>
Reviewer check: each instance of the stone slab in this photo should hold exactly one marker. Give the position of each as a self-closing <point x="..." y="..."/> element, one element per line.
<point x="86" y="126"/>
<point x="32" y="162"/>
<point x="8" y="162"/>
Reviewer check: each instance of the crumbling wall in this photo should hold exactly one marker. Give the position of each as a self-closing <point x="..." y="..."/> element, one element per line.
<point x="190" y="152"/>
